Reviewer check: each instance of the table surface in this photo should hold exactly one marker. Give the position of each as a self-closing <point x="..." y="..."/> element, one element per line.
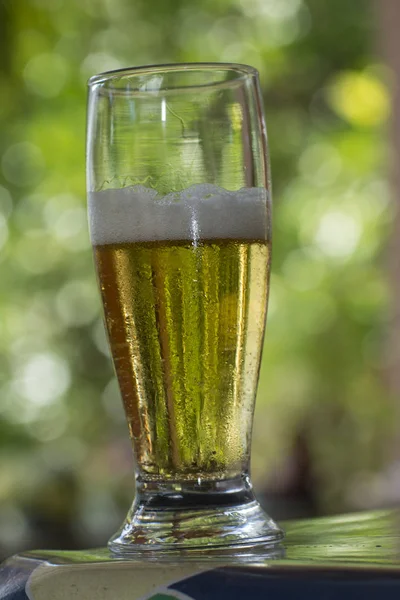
<point x="347" y="556"/>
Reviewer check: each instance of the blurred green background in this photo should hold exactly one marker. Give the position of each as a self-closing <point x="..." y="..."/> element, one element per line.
<point x="324" y="418"/>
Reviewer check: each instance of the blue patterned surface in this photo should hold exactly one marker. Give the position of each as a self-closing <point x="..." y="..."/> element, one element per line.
<point x="337" y="558"/>
<point x="12" y="583"/>
<point x="247" y="584"/>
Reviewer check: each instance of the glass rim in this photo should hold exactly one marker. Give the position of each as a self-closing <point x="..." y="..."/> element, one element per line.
<point x="242" y="72"/>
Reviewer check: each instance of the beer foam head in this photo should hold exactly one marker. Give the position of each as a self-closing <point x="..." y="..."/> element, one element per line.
<point x="139" y="214"/>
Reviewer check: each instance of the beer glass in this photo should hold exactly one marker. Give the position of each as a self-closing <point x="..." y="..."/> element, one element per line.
<point x="180" y="223"/>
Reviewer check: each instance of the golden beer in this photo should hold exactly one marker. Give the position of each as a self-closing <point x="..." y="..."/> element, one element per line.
<point x="185" y="324"/>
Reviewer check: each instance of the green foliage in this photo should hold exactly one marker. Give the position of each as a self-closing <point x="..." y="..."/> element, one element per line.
<point x="326" y="104"/>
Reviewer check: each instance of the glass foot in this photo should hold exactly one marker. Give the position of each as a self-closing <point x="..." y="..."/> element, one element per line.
<point x="212" y="518"/>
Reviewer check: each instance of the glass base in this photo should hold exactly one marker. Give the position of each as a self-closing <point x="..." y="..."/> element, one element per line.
<point x="213" y="518"/>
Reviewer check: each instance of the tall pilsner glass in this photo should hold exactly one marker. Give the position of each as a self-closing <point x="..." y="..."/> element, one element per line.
<point x="180" y="222"/>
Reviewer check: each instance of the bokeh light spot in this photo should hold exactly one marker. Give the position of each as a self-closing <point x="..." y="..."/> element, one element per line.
<point x="42" y="379"/>
<point x="6" y="202"/>
<point x="51" y="424"/>
<point x="301" y="272"/>
<point x="3" y="231"/>
<point x="46" y="74"/>
<point x="100" y="339"/>
<point x="67" y="222"/>
<point x="35" y="253"/>
<point x="338" y="234"/>
<point x="23" y="164"/>
<point x="360" y="98"/>
<point x="70" y="223"/>
<point x="274" y="9"/>
<point x="320" y="164"/>
<point x="112" y="402"/>
<point x="98" y="62"/>
<point x="77" y="303"/>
